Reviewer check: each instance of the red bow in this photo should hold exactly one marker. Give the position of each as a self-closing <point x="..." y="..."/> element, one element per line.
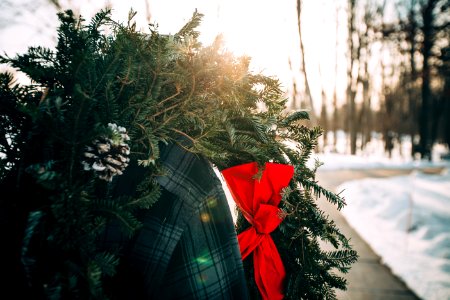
<point x="258" y="200"/>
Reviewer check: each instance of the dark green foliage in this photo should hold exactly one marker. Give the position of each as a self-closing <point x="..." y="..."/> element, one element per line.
<point x="161" y="88"/>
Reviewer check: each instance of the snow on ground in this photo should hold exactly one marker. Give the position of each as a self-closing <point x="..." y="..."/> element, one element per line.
<point x="405" y="219"/>
<point x="374" y="155"/>
<point x="333" y="161"/>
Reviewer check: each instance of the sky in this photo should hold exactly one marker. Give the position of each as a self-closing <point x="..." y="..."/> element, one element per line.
<point x="265" y="30"/>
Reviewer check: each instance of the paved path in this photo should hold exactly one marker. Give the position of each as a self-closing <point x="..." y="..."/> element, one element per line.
<point x="369" y="278"/>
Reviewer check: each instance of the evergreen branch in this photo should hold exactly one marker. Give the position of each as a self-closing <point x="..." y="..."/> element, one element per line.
<point x="107" y="263"/>
<point x="38" y="64"/>
<point x="231" y="133"/>
<point x="260" y="129"/>
<point x="172" y="107"/>
<point x="319" y="190"/>
<point x="178" y="91"/>
<point x="94" y="276"/>
<point x="341" y="259"/>
<point x="28" y="261"/>
<point x="147" y="200"/>
<point x="293" y="117"/>
<point x="189" y="27"/>
<point x="129" y="222"/>
<point x="97" y="21"/>
<point x="183" y="134"/>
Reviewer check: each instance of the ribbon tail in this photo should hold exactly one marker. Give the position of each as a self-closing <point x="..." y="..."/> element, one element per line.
<point x="248" y="241"/>
<point x="269" y="270"/>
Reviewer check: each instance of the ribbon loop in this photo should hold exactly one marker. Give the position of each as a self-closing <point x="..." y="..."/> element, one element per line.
<point x="258" y="200"/>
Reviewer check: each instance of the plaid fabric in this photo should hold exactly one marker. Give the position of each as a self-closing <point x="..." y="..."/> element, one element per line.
<point x="187" y="248"/>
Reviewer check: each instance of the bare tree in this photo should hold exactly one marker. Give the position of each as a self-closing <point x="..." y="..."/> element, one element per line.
<point x="421" y="34"/>
<point x="411" y="30"/>
<point x="323" y="120"/>
<point x="296" y="100"/>
<point x="428" y="41"/>
<point x="335" y="106"/>
<point x="353" y="57"/>
<point x="148" y="12"/>
<point x="303" y="64"/>
<point x="364" y="78"/>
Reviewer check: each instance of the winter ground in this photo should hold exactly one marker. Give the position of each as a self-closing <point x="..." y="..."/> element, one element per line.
<point x="405" y="219"/>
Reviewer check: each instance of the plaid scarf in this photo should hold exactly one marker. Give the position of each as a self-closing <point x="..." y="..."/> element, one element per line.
<point x="187" y="247"/>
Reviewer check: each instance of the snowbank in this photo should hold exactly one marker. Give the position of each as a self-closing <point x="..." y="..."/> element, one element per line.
<point x="406" y="220"/>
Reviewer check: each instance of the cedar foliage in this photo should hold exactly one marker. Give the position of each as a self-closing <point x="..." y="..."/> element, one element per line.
<point x="161" y="88"/>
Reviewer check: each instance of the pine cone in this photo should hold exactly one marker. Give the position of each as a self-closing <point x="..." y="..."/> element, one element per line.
<point x="108" y="156"/>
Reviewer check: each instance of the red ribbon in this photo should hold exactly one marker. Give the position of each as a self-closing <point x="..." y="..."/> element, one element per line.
<point x="258" y="200"/>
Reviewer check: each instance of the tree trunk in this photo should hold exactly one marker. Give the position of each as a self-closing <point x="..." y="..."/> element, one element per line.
<point x="424" y="121"/>
<point x="296" y="100"/>
<point x="351" y="118"/>
<point x="324" y="120"/>
<point x="308" y="95"/>
<point x="365" y="124"/>
<point x="335" y="106"/>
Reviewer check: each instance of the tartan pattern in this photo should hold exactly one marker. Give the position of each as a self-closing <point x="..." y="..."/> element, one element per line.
<point x="187" y="248"/>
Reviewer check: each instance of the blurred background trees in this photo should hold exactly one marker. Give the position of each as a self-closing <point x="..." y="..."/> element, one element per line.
<point x="391" y="63"/>
<point x="397" y="73"/>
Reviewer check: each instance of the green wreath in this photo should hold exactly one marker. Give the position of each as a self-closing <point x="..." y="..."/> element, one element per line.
<point x="108" y="95"/>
